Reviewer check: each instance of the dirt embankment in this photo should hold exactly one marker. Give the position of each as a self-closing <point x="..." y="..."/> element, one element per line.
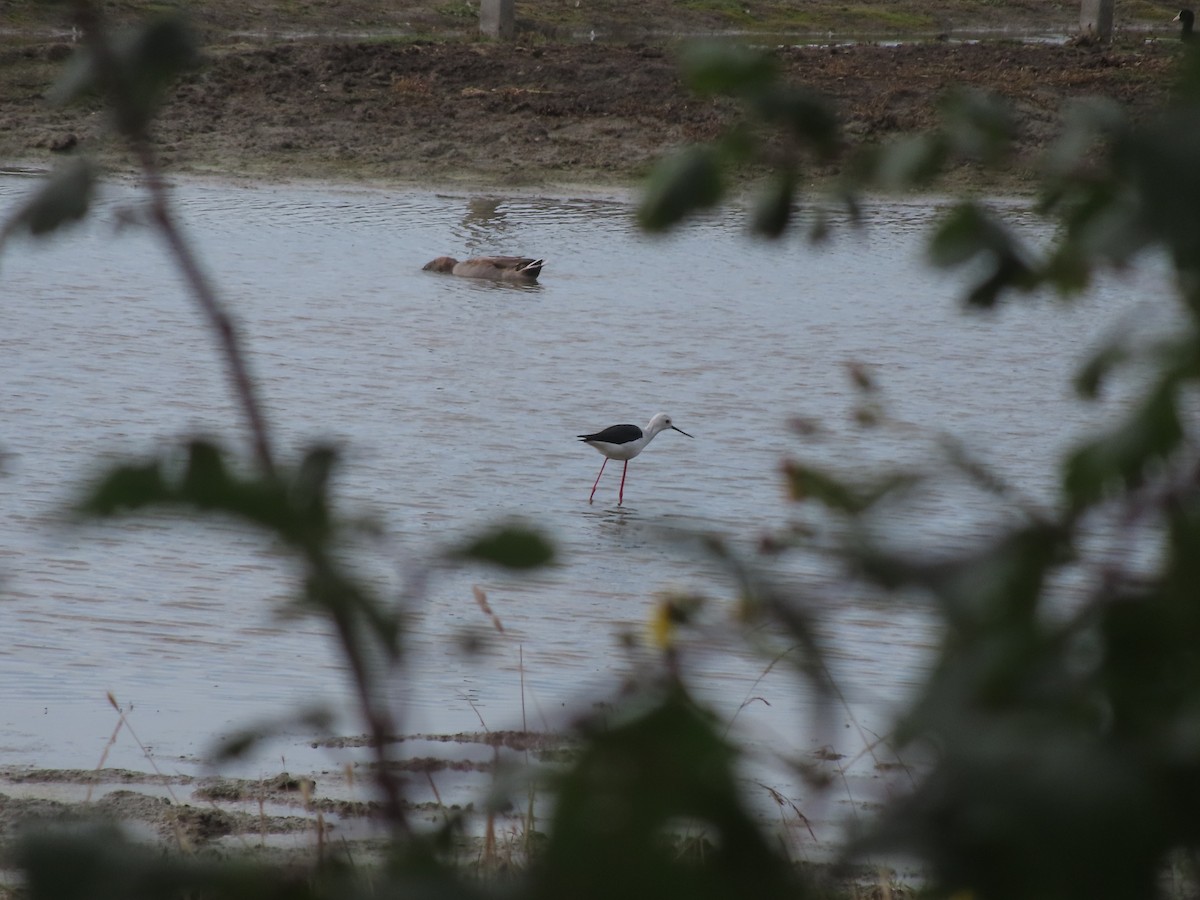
<point x="537" y="112"/>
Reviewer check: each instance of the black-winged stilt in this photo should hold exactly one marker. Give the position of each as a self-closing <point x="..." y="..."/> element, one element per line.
<point x="625" y="442"/>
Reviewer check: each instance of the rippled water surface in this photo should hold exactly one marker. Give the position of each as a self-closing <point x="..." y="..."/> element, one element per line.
<point x="458" y="403"/>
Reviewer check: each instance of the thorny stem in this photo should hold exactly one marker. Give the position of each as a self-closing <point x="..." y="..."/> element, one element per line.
<point x="227" y="335"/>
<point x="377" y="718"/>
<point x="340" y="598"/>
<point x="91" y="22"/>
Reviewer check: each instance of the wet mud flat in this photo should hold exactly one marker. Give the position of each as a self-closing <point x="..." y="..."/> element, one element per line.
<point x="544" y="113"/>
<point x="334" y="813"/>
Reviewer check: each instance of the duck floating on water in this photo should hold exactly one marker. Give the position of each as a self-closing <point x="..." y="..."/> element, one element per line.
<point x="496" y="268"/>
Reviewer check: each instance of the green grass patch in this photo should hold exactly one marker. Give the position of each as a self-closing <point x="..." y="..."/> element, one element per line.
<point x="460" y="11"/>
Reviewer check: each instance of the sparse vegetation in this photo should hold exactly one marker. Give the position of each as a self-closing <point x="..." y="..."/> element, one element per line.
<point x="540" y="112"/>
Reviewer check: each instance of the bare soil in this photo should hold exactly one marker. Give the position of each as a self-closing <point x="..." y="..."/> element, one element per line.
<point x="335" y="91"/>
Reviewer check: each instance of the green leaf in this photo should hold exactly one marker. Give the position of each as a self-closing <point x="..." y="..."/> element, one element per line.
<point x="773" y="211"/>
<point x="969" y="233"/>
<point x="510" y="546"/>
<point x="739" y="143"/>
<point x="63" y="198"/>
<point x="79" y="76"/>
<point x="127" y="488"/>
<point x="68" y="863"/>
<point x="206" y="483"/>
<point x="808" y="483"/>
<point x="209" y="485"/>
<point x="808" y="117"/>
<point x="619" y="808"/>
<point x="962" y="459"/>
<point x="135" y="67"/>
<point x="908" y="162"/>
<point x="150" y="57"/>
<point x="162" y="49"/>
<point x="1008" y="271"/>
<point x="310" y="486"/>
<point x="1104" y="220"/>
<point x="680" y="185"/>
<point x="1086" y="123"/>
<point x="965" y="233"/>
<point x="1002" y="582"/>
<point x="1068" y="270"/>
<point x="296" y="512"/>
<point x="725" y="68"/>
<point x="1091" y="376"/>
<point x="237" y="745"/>
<point x="1162" y="158"/>
<point x="978" y="125"/>
<point x="1120" y="459"/>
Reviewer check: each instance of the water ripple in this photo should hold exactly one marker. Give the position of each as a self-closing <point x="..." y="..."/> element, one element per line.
<point x="458" y="403"/>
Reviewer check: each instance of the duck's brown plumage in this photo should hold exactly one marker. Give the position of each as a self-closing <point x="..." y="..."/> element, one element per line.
<point x="497" y="268"/>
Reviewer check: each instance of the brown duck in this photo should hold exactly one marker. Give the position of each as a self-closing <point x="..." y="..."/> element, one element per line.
<point x="497" y="268"/>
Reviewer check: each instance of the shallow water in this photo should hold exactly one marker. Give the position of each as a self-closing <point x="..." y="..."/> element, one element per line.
<point x="457" y="404"/>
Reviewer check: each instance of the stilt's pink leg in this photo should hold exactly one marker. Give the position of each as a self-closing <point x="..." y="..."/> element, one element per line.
<point x="602" y="465"/>
<point x="621" y="492"/>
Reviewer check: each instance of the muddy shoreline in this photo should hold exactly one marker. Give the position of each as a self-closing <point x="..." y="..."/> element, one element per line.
<point x="542" y="115"/>
<point x="335" y="811"/>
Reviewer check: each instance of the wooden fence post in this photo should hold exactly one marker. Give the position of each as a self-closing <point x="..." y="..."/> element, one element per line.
<point x="1096" y="18"/>
<point x="497" y="18"/>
